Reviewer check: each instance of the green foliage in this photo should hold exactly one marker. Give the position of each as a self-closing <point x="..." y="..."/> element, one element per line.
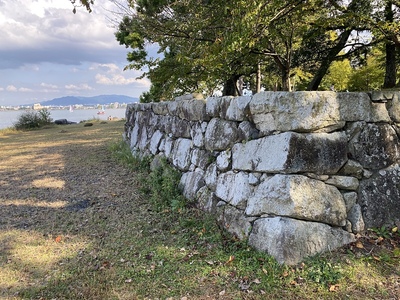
<point x="322" y="271"/>
<point x="206" y="43"/>
<point x="161" y="184"/>
<point x="338" y="75"/>
<point x="165" y="192"/>
<point x="85" y="3"/>
<point x="33" y="119"/>
<point x="367" y="77"/>
<point x="122" y="153"/>
<point x="383" y="232"/>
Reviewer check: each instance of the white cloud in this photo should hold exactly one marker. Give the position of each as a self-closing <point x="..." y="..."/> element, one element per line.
<point x="111" y="74"/>
<point x="80" y="87"/>
<point x="48" y="86"/>
<point x="23" y="89"/>
<point x="33" y="32"/>
<point x="45" y="52"/>
<point x="11" y="88"/>
<point x="115" y="79"/>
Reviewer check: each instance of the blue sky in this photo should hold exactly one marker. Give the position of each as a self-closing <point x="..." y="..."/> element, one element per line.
<point x="46" y="51"/>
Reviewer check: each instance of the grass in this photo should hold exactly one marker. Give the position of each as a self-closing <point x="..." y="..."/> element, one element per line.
<point x="81" y="218"/>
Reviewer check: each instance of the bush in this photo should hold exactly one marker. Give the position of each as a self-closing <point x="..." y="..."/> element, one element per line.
<point x="33" y="119"/>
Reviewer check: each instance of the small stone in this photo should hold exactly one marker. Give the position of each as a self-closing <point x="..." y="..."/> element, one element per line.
<point x="224" y="160"/>
<point x="350" y="199"/>
<point x="356" y="219"/>
<point x="344" y="182"/>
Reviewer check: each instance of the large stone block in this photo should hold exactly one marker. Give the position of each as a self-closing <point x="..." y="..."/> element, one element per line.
<point x="291" y="152"/>
<point x="201" y="158"/>
<point x="135" y="135"/>
<point x="234" y="221"/>
<point x="313" y="111"/>
<point x="206" y="200"/>
<point x="155" y="142"/>
<point x="211" y="176"/>
<point x="247" y="131"/>
<point x="160" y="108"/>
<point x="379" y="197"/>
<point x="233" y="188"/>
<point x="218" y="106"/>
<point x="299" y="197"/>
<point x="168" y="147"/>
<point x="376" y="146"/>
<point x="190" y="184"/>
<point x="179" y="128"/>
<point x="221" y="134"/>
<point x="394" y="107"/>
<point x="238" y="109"/>
<point x="181" y="154"/>
<point x="192" y="110"/>
<point x="297" y="111"/>
<point x="289" y="241"/>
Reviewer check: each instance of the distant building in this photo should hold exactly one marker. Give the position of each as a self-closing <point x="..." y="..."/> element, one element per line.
<point x="37" y="106"/>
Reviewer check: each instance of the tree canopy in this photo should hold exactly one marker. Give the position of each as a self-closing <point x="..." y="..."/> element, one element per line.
<point x="85" y="3"/>
<point x="207" y="44"/>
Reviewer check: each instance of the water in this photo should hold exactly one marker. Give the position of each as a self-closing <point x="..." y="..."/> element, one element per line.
<point x="9" y="117"/>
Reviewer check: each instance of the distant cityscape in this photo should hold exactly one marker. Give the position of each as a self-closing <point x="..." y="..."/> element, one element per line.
<point x="38" y="106"/>
<point x="75" y="103"/>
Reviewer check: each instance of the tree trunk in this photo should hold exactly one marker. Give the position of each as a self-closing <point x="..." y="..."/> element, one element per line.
<point x="286" y="80"/>
<point x="258" y="78"/>
<point x="230" y="87"/>
<point x="390" y="72"/>
<point x="326" y="63"/>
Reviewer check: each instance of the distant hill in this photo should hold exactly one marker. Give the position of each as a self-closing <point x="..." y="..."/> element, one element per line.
<point x="101" y="99"/>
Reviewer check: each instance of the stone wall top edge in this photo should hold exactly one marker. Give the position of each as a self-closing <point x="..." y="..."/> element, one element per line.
<point x="375" y="96"/>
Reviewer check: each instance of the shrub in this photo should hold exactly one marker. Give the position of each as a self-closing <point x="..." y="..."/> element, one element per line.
<point x="33" y="119"/>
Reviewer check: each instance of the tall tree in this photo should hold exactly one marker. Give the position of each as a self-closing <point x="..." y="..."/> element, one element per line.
<point x="390" y="46"/>
<point x="224" y="39"/>
<point x="385" y="27"/>
<point x="339" y="26"/>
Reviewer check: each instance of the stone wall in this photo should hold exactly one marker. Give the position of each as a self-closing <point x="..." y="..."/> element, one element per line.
<point x="294" y="173"/>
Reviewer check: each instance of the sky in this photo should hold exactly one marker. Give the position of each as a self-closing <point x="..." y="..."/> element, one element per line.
<point x="47" y="51"/>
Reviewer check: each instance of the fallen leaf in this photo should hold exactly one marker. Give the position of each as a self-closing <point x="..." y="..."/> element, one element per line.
<point x="58" y="239"/>
<point x="265" y="271"/>
<point x="285" y="274"/>
<point x="333" y="287"/>
<point x="376" y="258"/>
<point x="359" y="245"/>
<point x="380" y="239"/>
<point x="395" y="229"/>
<point x="256" y="281"/>
<point x="231" y="259"/>
<point x="128" y="280"/>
